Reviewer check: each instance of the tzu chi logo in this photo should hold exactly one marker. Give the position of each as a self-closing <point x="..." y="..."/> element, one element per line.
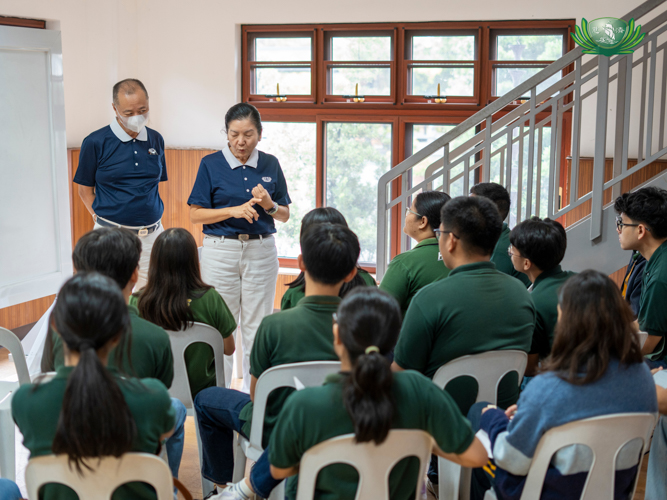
<point x="608" y="36"/>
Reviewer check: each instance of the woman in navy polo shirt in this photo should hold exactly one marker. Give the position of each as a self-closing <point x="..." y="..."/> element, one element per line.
<point x="238" y="193"/>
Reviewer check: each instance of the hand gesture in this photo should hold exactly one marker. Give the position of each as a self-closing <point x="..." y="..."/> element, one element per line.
<point x="511" y="411"/>
<point x="246" y="211"/>
<point x="263" y="196"/>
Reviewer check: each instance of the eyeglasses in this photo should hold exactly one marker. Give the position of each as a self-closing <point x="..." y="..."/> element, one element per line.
<point x="509" y="252"/>
<point x="409" y="211"/>
<point x="440" y="232"/>
<point x="620" y="224"/>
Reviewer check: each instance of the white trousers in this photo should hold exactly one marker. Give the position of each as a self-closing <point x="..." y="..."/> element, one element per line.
<point x="145" y="257"/>
<point x="245" y="274"/>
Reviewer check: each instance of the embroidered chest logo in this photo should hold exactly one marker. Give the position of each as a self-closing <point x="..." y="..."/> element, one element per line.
<point x="266" y="179"/>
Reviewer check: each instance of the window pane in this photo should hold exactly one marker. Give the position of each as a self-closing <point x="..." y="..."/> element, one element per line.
<point x="372" y="81"/>
<point x="292" y="80"/>
<point x="443" y="48"/>
<point x="453" y="81"/>
<point x="529" y="47"/>
<point x="363" y="48"/>
<point x="294" y="144"/>
<point x="283" y="49"/>
<point x="508" y="78"/>
<point x="357" y="154"/>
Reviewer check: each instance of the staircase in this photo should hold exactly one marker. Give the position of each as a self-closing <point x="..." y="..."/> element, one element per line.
<point x="608" y="107"/>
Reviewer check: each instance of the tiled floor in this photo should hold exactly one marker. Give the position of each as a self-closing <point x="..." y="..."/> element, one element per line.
<point x="189" y="472"/>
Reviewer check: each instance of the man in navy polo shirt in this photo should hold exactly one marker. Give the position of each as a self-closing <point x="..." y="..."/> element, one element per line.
<point x="120" y="168"/>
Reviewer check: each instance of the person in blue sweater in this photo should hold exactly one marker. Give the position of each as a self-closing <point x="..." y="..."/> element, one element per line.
<point x="596" y="368"/>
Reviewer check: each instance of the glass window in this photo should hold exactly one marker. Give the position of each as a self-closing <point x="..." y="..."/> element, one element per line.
<point x="293" y="80"/>
<point x="364" y="48"/>
<point x="294" y="144"/>
<point x="529" y="47"/>
<point x="443" y="48"/>
<point x="357" y="154"/>
<point x="506" y="78"/>
<point x="283" y="49"/>
<point x="454" y="81"/>
<point x="371" y="80"/>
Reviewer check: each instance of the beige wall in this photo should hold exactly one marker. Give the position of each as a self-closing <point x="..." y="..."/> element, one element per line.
<point x="187" y="51"/>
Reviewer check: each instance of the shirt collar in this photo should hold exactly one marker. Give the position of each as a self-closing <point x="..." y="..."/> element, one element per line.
<point x="123" y="136"/>
<point x="323" y="300"/>
<point x="547" y="274"/>
<point x="475" y="266"/>
<point x="427" y="241"/>
<point x="234" y="161"/>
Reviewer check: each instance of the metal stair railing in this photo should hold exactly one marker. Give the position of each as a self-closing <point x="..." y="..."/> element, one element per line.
<point x="498" y="145"/>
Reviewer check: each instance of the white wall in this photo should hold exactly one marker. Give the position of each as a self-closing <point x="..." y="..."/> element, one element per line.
<point x="187" y="52"/>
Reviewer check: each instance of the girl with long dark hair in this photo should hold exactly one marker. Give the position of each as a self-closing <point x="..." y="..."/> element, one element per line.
<point x="595" y="368"/>
<point x="367" y="399"/>
<point x="88" y="411"/>
<point x="175" y="297"/>
<point x="297" y="289"/>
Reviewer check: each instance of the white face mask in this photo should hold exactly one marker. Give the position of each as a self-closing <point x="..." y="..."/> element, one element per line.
<point x="134" y="123"/>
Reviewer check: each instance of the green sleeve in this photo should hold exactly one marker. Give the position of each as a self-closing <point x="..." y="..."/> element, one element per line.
<point x="58" y="354"/>
<point x="165" y="363"/>
<point x="291" y="298"/>
<point x="286" y="445"/>
<point x="52" y="343"/>
<point x="415" y="340"/>
<point x="222" y="317"/>
<point x="396" y="282"/>
<point x="541" y="340"/>
<point x="161" y="405"/>
<point x="134" y="300"/>
<point x="262" y="349"/>
<point x="368" y="279"/>
<point x="653" y="313"/>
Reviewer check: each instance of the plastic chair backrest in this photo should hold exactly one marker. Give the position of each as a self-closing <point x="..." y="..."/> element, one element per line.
<point x="12" y="342"/>
<point x="605" y="436"/>
<point x="487" y="368"/>
<point x="374" y="463"/>
<point x="310" y="374"/>
<point x="180" y="340"/>
<point x="642" y="338"/>
<point x="102" y="481"/>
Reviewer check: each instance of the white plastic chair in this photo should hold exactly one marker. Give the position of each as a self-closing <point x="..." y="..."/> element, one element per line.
<point x="605" y="436"/>
<point x="373" y="463"/>
<point x="488" y="369"/>
<point x="642" y="338"/>
<point x="108" y="474"/>
<point x="7" y="431"/>
<point x="310" y="374"/>
<point x="180" y="387"/>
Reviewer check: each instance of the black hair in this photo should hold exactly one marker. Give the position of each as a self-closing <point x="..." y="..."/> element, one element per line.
<point x="543" y="242"/>
<point x="128" y="86"/>
<point x="241" y="111"/>
<point x="369" y="318"/>
<point x="330" y="252"/>
<point x="319" y="216"/>
<point x="496" y="193"/>
<point x="475" y="220"/>
<point x="111" y="251"/>
<point x="95" y="420"/>
<point x="647" y="206"/>
<point x="174" y="278"/>
<point x="429" y="203"/>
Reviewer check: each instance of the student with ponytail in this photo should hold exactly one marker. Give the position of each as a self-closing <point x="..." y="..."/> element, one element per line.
<point x="367" y="399"/>
<point x="88" y="411"/>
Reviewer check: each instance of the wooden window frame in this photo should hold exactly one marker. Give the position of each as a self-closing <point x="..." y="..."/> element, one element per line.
<point x="22" y="23"/>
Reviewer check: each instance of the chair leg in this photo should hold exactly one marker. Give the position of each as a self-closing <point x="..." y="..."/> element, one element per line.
<point x="466" y="478"/>
<point x="206" y="485"/>
<point x="7" y="446"/>
<point x="239" y="459"/>
<point x="449" y="478"/>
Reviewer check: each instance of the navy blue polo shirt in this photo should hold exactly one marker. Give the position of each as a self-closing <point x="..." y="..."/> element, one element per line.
<point x="125" y="172"/>
<point x="218" y="185"/>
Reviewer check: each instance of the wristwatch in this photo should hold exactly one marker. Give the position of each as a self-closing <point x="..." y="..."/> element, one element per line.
<point x="273" y="210"/>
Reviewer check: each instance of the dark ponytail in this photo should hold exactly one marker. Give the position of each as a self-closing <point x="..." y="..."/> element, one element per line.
<point x="369" y="321"/>
<point x="95" y="420"/>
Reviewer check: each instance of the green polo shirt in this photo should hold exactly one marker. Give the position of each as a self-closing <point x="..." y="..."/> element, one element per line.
<point x="303" y="333"/>
<point x="653" y="300"/>
<point x="150" y="352"/>
<point x="316" y="414"/>
<point x="294" y="295"/>
<point x="211" y="309"/>
<point x="476" y="309"/>
<point x="36" y="410"/>
<point x="503" y="261"/>
<point x="545" y="297"/>
<point x="411" y="271"/>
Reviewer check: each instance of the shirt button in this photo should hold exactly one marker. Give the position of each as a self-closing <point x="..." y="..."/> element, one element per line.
<point x="137" y="164"/>
<point x="243" y="168"/>
<point x="247" y="190"/>
<point x="134" y="140"/>
<point x="135" y="152"/>
<point x="245" y="178"/>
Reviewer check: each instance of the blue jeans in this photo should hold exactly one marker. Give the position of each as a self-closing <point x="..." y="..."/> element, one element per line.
<point x="656" y="477"/>
<point x="9" y="490"/>
<point x="481" y="481"/>
<point x="174" y="444"/>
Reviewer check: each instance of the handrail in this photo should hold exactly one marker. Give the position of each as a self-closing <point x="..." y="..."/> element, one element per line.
<point x="520" y="129"/>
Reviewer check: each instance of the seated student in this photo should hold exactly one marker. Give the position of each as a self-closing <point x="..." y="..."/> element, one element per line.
<point x="296" y="289"/>
<point x="537" y="248"/>
<point x="499" y="195"/>
<point x="88" y="411"/>
<point x="329" y="254"/>
<point x="410" y="271"/>
<point x="114" y="252"/>
<point x="366" y="399"/>
<point x="642" y="226"/>
<point x="9" y="490"/>
<point x="595" y="369"/>
<point x="175" y="297"/>
<point x="475" y="310"/>
<point x="631" y="289"/>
